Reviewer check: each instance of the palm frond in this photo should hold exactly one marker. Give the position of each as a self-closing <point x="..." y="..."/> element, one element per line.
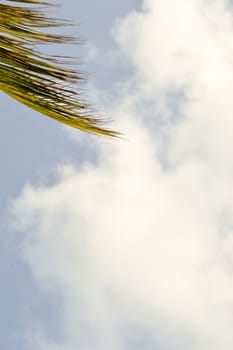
<point x="36" y="79"/>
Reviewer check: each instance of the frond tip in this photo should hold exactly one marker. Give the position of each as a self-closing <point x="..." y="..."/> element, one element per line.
<point x="40" y="81"/>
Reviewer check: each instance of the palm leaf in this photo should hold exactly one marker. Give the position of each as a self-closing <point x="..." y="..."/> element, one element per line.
<point x="36" y="79"/>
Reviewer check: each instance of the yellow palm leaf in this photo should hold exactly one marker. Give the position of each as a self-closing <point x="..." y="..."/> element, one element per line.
<point x="40" y="81"/>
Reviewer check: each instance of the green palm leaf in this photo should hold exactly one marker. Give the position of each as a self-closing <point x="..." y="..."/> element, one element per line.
<point x="38" y="80"/>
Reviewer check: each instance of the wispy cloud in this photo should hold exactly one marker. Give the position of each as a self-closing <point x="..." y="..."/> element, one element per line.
<point x="140" y="245"/>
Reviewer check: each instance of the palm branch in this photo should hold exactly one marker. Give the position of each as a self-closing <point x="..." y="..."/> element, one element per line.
<point x="38" y="80"/>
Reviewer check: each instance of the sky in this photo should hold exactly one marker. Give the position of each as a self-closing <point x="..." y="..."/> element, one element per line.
<point x="126" y="244"/>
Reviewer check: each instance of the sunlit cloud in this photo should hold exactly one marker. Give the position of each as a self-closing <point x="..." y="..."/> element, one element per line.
<point x="139" y="244"/>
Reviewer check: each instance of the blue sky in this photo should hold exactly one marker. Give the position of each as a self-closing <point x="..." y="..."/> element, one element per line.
<point x="126" y="244"/>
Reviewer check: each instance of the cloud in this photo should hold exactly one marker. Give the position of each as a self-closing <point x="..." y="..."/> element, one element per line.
<point x="139" y="245"/>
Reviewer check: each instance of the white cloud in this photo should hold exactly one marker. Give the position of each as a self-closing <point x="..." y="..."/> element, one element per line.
<point x="134" y="247"/>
